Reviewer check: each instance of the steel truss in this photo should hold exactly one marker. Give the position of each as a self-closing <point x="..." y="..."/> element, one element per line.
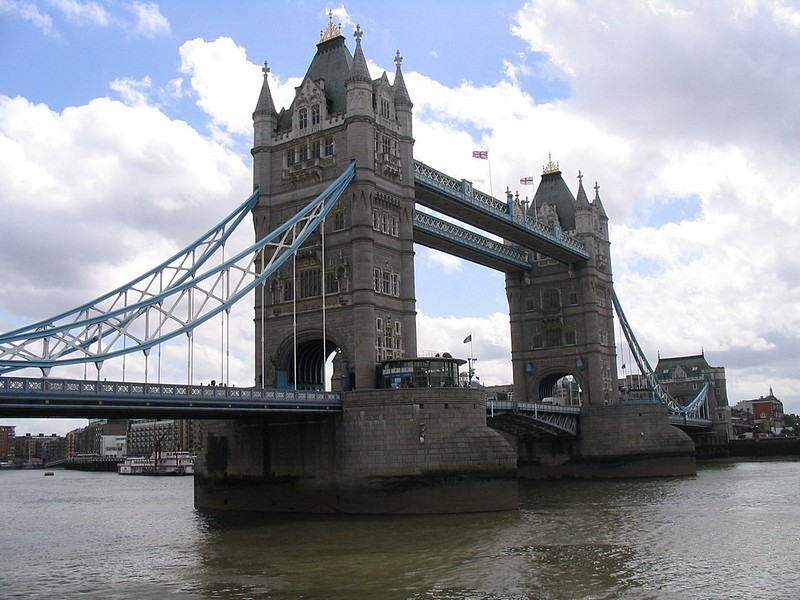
<point x="172" y="299"/>
<point x="697" y="408"/>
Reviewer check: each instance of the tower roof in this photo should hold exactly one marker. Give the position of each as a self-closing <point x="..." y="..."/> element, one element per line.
<point x="554" y="191"/>
<point x="330" y="64"/>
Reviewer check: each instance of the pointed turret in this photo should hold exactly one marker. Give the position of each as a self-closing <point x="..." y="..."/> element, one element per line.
<point x="584" y="219"/>
<point x="359" y="73"/>
<point x="265" y="119"/>
<point x="401" y="97"/>
<point x="582" y="201"/>
<point x="402" y="101"/>
<point x="597" y="204"/>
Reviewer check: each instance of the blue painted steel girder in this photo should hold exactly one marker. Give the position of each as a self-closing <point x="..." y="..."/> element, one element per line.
<point x="442" y="235"/>
<point x="456" y="198"/>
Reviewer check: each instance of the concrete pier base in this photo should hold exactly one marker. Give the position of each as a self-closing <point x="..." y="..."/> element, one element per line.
<point x="423" y="450"/>
<point x="616" y="440"/>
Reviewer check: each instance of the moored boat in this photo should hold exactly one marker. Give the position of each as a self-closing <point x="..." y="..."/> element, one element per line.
<point x="168" y="463"/>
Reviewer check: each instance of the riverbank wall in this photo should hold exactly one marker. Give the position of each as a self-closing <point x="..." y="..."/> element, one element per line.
<point x="398" y="451"/>
<point x="765" y="447"/>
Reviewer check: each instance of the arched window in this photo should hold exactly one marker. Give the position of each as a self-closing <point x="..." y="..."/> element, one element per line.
<point x="551" y="299"/>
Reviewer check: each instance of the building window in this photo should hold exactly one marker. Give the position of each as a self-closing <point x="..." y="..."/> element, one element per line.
<point x="303" y="153"/>
<point x="379" y="324"/>
<point x="290" y="157"/>
<point x="315" y="114"/>
<point x="288" y="291"/>
<point x="570" y="338"/>
<point x="329" y="146"/>
<point x="530" y="303"/>
<point x="386" y="145"/>
<point x="385" y="223"/>
<point x="601" y="296"/>
<point x="302" y="118"/>
<point x="316" y="149"/>
<point x="551" y="299"/>
<point x="573" y="298"/>
<point x="552" y="337"/>
<point x="338" y="220"/>
<point x="395" y="227"/>
<point x="331" y="283"/>
<point x="376" y="220"/>
<point x="384" y="108"/>
<point x="537" y="340"/>
<point x="386" y="282"/>
<point x="603" y="334"/>
<point x="309" y="283"/>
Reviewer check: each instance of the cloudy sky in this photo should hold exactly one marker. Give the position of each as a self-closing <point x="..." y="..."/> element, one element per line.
<point x="125" y="130"/>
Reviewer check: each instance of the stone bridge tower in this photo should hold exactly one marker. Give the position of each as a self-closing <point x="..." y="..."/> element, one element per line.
<point x="562" y="329"/>
<point x="365" y="274"/>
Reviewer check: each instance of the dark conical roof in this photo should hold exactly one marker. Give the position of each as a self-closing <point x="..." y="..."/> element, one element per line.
<point x="554" y="191"/>
<point x="332" y="64"/>
<point x="265" y="105"/>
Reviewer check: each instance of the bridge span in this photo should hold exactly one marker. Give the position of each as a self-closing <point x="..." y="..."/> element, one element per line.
<point x="38" y="397"/>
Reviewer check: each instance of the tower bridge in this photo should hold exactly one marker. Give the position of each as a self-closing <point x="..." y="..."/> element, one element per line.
<point x="332" y="274"/>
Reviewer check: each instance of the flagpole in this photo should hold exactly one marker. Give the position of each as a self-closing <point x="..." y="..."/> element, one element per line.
<point x="489" y="162"/>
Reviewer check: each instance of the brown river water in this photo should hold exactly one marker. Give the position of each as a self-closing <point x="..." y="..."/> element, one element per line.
<point x="733" y="531"/>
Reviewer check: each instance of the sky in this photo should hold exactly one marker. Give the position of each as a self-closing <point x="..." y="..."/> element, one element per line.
<point x="125" y="132"/>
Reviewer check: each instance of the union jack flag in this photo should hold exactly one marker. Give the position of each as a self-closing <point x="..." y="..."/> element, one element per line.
<point x="480" y="154"/>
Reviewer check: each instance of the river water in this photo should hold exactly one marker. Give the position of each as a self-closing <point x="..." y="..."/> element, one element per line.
<point x="733" y="531"/>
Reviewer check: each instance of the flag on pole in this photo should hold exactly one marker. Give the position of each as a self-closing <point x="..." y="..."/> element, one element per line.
<point x="468" y="339"/>
<point x="484" y="154"/>
<point x="526" y="181"/>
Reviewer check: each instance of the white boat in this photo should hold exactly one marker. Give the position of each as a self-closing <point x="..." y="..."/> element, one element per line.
<point x="168" y="463"/>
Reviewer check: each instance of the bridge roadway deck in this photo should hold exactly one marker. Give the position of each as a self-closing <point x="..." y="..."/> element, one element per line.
<point x="36" y="397"/>
<point x="458" y="199"/>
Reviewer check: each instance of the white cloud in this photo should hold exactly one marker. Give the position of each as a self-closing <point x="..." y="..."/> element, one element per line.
<point x="83" y="13"/>
<point x="227" y="85"/>
<point x="29" y="12"/>
<point x="149" y="20"/>
<point x="448" y="263"/>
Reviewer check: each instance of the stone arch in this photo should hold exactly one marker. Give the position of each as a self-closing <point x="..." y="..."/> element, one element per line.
<point x="549" y="381"/>
<point x="312" y="354"/>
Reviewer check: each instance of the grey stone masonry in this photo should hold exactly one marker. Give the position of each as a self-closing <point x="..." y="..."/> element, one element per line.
<point x="421" y="430"/>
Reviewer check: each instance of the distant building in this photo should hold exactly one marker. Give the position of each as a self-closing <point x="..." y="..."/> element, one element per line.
<point x="171" y="435"/>
<point x="113" y="446"/>
<point x="684" y="377"/>
<point x="40" y="449"/>
<point x="7" y="442"/>
<point x="766" y="411"/>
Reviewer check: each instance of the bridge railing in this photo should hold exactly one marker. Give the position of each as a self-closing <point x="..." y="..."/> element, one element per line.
<point x="21" y="387"/>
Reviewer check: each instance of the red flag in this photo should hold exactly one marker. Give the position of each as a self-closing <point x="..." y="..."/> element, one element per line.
<point x="480" y="154"/>
<point x="526" y="181"/>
